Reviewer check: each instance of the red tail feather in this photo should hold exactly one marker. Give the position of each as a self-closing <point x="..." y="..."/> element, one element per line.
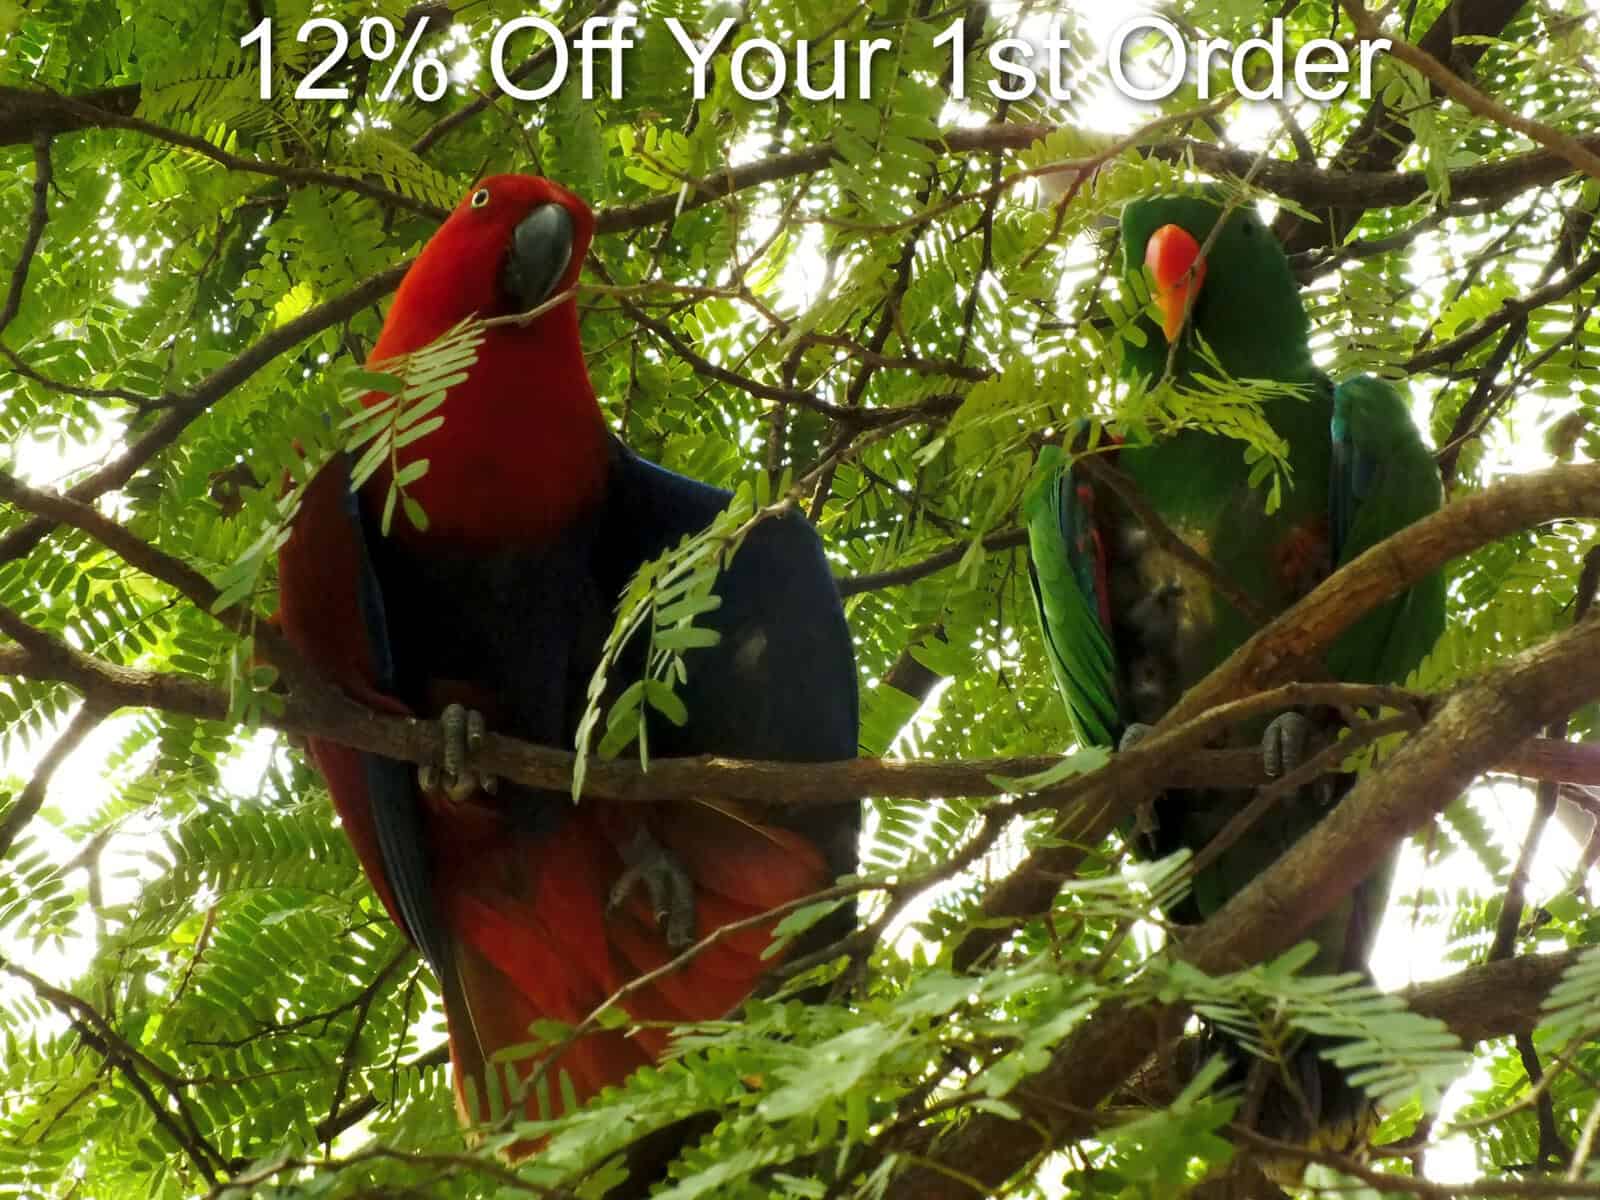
<point x="529" y="915"/>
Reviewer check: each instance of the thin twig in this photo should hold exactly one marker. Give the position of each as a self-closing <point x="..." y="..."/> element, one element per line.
<point x="37" y="217"/>
<point x="28" y="804"/>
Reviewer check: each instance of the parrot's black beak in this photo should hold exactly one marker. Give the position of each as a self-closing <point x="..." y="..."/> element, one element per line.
<point x="541" y="248"/>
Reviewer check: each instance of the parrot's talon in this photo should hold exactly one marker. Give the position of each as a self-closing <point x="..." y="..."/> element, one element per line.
<point x="1283" y="745"/>
<point x="1134" y="734"/>
<point x="668" y="885"/>
<point x="462" y="729"/>
<point x="453" y="725"/>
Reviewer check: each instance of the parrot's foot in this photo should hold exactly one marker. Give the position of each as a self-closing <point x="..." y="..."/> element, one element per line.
<point x="1134" y="734"/>
<point x="1283" y="745"/>
<point x="670" y="889"/>
<point x="1144" y="817"/>
<point x="462" y="729"/>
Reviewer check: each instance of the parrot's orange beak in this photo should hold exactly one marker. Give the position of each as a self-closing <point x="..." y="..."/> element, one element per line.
<point x="1173" y="257"/>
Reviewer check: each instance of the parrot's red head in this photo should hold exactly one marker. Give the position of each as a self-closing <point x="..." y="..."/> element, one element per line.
<point x="522" y="450"/>
<point x="512" y="242"/>
<point x="1177" y="270"/>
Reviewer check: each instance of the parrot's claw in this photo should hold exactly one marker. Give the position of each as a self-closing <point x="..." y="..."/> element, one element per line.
<point x="1283" y="745"/>
<point x="1134" y="734"/>
<point x="670" y="889"/>
<point x="462" y="729"/>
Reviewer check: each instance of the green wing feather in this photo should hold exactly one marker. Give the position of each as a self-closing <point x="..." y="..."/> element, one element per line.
<point x="1066" y="589"/>
<point x="1383" y="478"/>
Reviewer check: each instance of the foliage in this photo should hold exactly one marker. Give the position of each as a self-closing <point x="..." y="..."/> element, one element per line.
<point x="883" y="324"/>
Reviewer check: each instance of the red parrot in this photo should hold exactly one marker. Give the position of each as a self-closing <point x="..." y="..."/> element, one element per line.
<point x="523" y="903"/>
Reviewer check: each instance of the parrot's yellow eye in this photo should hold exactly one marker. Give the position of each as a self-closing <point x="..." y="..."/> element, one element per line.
<point x="480" y="197"/>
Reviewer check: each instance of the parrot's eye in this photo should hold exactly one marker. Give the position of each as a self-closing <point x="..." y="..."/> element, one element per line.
<point x="480" y="198"/>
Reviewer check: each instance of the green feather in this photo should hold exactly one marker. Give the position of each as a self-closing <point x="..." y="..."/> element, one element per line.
<point x="1384" y="478"/>
<point x="1065" y="595"/>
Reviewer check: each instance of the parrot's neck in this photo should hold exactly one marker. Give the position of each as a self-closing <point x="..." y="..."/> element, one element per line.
<point x="523" y="451"/>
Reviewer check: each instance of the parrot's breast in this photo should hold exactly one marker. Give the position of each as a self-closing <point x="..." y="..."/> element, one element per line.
<point x="1162" y="619"/>
<point x="522" y="453"/>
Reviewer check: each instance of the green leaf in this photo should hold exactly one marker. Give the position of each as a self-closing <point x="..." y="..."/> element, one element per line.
<point x="666" y="702"/>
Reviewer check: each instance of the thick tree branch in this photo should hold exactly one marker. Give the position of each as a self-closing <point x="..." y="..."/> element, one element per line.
<point x="1495" y="999"/>
<point x="26" y="113"/>
<point x="1309" y="627"/>
<point x="313" y="707"/>
<point x="1504" y="707"/>
<point x="1487" y="1000"/>
<point x="322" y="711"/>
<point x="1283" y="649"/>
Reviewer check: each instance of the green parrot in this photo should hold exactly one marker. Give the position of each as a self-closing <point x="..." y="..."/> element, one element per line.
<point x="1128" y="626"/>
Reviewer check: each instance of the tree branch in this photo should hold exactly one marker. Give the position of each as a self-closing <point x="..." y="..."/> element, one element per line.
<point x="854" y="585"/>
<point x="1302" y="182"/>
<point x="1384" y="135"/>
<point x="1510" y="310"/>
<point x="539" y="58"/>
<point x="32" y="797"/>
<point x="1281" y="651"/>
<point x="101" y="1036"/>
<point x="1478" y="1003"/>
<point x="1491" y="1000"/>
<point x="37" y="217"/>
<point x="315" y="708"/>
<point x="79" y="114"/>
<point x="181" y="409"/>
<point x="28" y="804"/>
<point x="26" y="113"/>
<point x="318" y="710"/>
<point x="1463" y="93"/>
<point x="1503" y="707"/>
<point x="1305" y="184"/>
